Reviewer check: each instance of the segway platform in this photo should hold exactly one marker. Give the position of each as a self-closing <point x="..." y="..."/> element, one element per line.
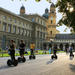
<point x="32" y="57"/>
<point x="53" y="57"/>
<point x="20" y="59"/>
<point x="12" y="63"/>
<point x="71" y="57"/>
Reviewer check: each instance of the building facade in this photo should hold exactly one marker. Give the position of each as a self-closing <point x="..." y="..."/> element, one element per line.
<point x="17" y="27"/>
<point x="63" y="41"/>
<point x="51" y="23"/>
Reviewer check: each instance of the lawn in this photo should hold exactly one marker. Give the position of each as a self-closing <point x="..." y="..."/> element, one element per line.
<point x="37" y="52"/>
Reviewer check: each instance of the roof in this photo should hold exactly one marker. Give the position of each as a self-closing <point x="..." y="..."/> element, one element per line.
<point x="65" y="36"/>
<point x="38" y="16"/>
<point x="9" y="12"/>
<point x="22" y="7"/>
<point x="52" y="5"/>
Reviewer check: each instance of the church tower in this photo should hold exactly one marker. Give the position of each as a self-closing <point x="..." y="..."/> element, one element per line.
<point x="51" y="24"/>
<point x="22" y="10"/>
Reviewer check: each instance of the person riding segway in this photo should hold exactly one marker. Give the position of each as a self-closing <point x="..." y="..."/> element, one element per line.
<point x="71" y="52"/>
<point x="11" y="52"/>
<point x="54" y="56"/>
<point x="32" y="47"/>
<point x="22" y="51"/>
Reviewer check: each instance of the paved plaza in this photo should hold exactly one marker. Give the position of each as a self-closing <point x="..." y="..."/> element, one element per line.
<point x="41" y="66"/>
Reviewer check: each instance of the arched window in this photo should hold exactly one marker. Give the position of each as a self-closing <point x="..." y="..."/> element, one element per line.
<point x="50" y="32"/>
<point x="51" y="21"/>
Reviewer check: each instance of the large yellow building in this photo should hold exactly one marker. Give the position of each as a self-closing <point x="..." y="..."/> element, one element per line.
<point x="51" y="23"/>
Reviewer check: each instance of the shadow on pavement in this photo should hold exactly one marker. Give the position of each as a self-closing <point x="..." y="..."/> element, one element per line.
<point x="4" y="67"/>
<point x="50" y="61"/>
<point x="72" y="67"/>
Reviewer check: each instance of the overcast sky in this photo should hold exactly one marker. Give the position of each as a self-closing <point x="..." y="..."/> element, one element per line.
<point x="31" y="7"/>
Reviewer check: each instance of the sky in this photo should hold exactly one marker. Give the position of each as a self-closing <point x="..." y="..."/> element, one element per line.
<point x="32" y="7"/>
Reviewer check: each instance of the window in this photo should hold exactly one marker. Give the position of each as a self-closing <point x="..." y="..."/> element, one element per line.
<point x="14" y="29"/>
<point x="30" y="34"/>
<point x="27" y="33"/>
<point x="4" y="17"/>
<point x="19" y="22"/>
<point x="51" y="32"/>
<point x="37" y="34"/>
<point x="40" y="34"/>
<point x="9" y="28"/>
<point x="38" y="20"/>
<point x="4" y="26"/>
<point x="23" y="23"/>
<point x="15" y="20"/>
<point x="22" y="31"/>
<point x="41" y="22"/>
<point x="10" y="19"/>
<point x="32" y="19"/>
<point x="51" y="17"/>
<point x="51" y="21"/>
<point x="18" y="30"/>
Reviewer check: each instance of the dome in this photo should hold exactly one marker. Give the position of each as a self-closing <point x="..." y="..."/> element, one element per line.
<point x="52" y="5"/>
<point x="46" y="10"/>
<point x="23" y="7"/>
<point x="22" y="10"/>
<point x="46" y="15"/>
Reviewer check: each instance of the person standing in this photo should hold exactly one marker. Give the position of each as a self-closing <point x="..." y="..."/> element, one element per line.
<point x="12" y="49"/>
<point x="32" y="47"/>
<point x="22" y="48"/>
<point x="55" y="49"/>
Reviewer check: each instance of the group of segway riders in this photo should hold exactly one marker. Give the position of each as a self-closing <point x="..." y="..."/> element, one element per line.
<point x="11" y="52"/>
<point x="22" y="45"/>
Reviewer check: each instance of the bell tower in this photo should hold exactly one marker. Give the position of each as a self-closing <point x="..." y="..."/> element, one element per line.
<point x="51" y="23"/>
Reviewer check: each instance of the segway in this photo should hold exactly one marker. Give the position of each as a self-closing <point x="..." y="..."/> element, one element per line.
<point x="32" y="57"/>
<point x="71" y="55"/>
<point x="54" y="57"/>
<point x="11" y="62"/>
<point x="20" y="59"/>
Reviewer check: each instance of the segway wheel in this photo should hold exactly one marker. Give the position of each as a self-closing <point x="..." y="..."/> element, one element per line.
<point x="34" y="57"/>
<point x="9" y="62"/>
<point x="24" y="59"/>
<point x="15" y="63"/>
<point x="19" y="59"/>
<point x="52" y="56"/>
<point x="30" y="57"/>
<point x="56" y="57"/>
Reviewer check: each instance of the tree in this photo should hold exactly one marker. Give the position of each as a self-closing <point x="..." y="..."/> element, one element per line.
<point x="67" y="8"/>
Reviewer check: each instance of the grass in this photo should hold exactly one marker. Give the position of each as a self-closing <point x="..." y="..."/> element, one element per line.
<point x="39" y="52"/>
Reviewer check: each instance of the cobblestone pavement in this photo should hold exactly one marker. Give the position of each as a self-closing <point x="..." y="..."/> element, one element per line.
<point x="42" y="65"/>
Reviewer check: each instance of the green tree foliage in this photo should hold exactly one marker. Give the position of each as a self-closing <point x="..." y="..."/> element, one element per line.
<point x="67" y="8"/>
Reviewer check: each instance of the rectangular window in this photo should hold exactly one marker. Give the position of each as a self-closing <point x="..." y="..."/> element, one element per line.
<point x="18" y="30"/>
<point x="51" y="21"/>
<point x="15" y="21"/>
<point x="4" y="26"/>
<point x="14" y="29"/>
<point x="10" y="19"/>
<point x="9" y="28"/>
<point x="22" y="31"/>
<point x="4" y="17"/>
